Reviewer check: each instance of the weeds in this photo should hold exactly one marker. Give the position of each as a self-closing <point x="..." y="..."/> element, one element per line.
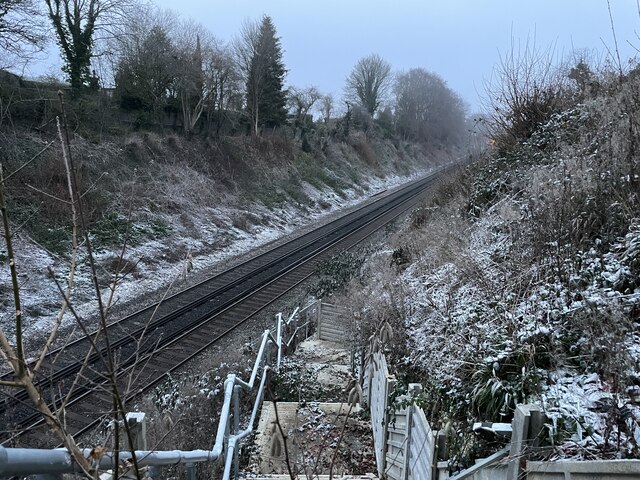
<point x="519" y="279"/>
<point x="336" y="272"/>
<point x="295" y="383"/>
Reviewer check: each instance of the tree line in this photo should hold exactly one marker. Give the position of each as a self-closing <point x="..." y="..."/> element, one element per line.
<point x="159" y="65"/>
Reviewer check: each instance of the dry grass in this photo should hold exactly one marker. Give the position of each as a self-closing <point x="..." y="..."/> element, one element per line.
<point x="498" y="261"/>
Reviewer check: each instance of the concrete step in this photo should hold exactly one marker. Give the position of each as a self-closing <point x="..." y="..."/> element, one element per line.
<point x="368" y="476"/>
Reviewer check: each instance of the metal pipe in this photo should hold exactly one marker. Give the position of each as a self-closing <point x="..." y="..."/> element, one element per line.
<point x="295" y="332"/>
<point x="226" y="474"/>
<point x="191" y="471"/>
<point x="256" y="365"/>
<point x="293" y="315"/>
<point x="279" y="341"/>
<point x="308" y="306"/>
<point x="236" y="426"/>
<point x="234" y="439"/>
<point x="31" y="461"/>
<point x="157" y="458"/>
<point x="34" y="461"/>
<point x="229" y="383"/>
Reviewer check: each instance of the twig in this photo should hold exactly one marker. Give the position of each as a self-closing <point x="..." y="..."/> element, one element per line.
<point x="335" y="453"/>
<point x="72" y="264"/>
<point x="19" y="365"/>
<point x="53" y="197"/>
<point x="9" y="383"/>
<point x="615" y="39"/>
<point x="92" y="186"/>
<point x="31" y="160"/>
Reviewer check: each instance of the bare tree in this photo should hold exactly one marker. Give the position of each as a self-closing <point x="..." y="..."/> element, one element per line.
<point x="144" y="64"/>
<point x="21" y="30"/>
<point x="163" y="59"/>
<point x="208" y="82"/>
<point x="369" y="82"/>
<point x="246" y="49"/>
<point x="524" y="91"/>
<point x="326" y="107"/>
<point x="301" y="100"/>
<point x="226" y="88"/>
<point x="75" y="24"/>
<point x="193" y="54"/>
<point x="426" y="109"/>
<point x="135" y="29"/>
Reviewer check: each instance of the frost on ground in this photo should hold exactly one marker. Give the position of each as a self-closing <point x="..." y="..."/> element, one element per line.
<point x="492" y="349"/>
<point x="322" y="429"/>
<point x="518" y="282"/>
<point x="184" y="244"/>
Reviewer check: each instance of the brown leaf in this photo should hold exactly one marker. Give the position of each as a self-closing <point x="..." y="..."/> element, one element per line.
<point x="97" y="453"/>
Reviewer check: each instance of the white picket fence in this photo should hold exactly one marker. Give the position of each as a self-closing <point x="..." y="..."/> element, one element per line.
<point x="403" y="440"/>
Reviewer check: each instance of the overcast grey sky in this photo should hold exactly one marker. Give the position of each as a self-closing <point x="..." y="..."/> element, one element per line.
<point x="459" y="39"/>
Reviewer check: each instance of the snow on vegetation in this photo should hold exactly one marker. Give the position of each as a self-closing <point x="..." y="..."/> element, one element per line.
<point x="163" y="251"/>
<point x="518" y="282"/>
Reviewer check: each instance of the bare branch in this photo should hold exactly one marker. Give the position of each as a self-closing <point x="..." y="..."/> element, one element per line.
<point x="369" y="82"/>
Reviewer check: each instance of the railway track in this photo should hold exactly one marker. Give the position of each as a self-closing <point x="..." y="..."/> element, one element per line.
<point x="161" y="338"/>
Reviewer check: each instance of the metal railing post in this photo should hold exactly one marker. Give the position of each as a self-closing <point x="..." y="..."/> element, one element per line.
<point x="191" y="471"/>
<point x="153" y="472"/>
<point x="279" y="340"/>
<point x="236" y="429"/>
<point x="137" y="422"/>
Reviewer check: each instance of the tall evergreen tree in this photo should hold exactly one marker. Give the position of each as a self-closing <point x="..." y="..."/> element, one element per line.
<point x="266" y="96"/>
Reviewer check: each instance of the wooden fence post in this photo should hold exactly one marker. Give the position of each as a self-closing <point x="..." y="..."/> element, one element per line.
<point x="319" y="320"/>
<point x="414" y="390"/>
<point x="390" y="385"/>
<point x="524" y="432"/>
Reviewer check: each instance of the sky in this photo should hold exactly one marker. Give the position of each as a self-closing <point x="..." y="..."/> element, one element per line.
<point x="461" y="40"/>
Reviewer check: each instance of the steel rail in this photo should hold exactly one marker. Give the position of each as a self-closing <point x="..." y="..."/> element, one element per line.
<point x="375" y="210"/>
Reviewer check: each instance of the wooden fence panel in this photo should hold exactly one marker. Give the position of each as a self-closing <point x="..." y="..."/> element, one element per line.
<point x="380" y="386"/>
<point x="403" y="440"/>
<point x="421" y="447"/>
<point x="396" y="445"/>
<point x="333" y="324"/>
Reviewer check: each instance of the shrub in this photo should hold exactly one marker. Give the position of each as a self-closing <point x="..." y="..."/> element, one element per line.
<point x="362" y="146"/>
<point x="527" y="90"/>
<point x="336" y="272"/>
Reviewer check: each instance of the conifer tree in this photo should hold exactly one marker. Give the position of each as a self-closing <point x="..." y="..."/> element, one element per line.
<point x="266" y="96"/>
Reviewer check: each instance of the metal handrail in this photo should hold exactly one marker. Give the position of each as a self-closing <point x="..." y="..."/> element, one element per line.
<point x="55" y="462"/>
